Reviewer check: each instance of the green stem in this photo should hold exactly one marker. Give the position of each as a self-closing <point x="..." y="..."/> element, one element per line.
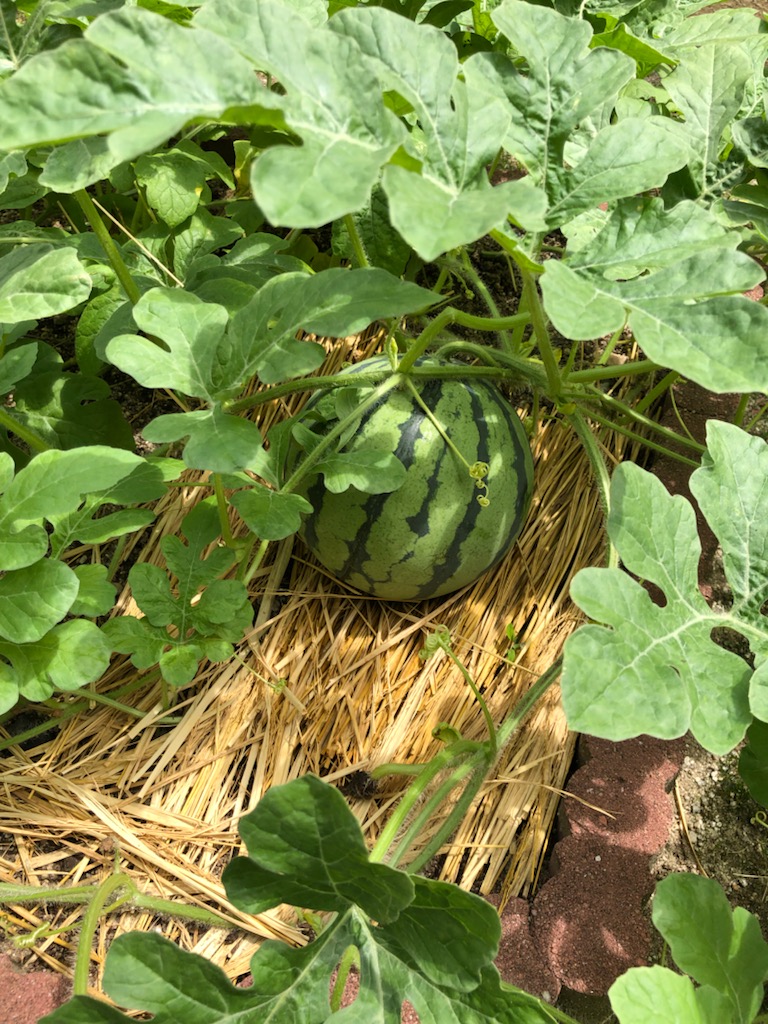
<point x="29" y="437"/>
<point x="613" y="342"/>
<point x="89" y="925"/>
<point x="595" y="456"/>
<point x="481" y="288"/>
<point x="611" y="372"/>
<point x="467" y="757"/>
<point x="541" y="333"/>
<point x="741" y="410"/>
<point x="442" y="277"/>
<point x="221" y="506"/>
<point x="756" y="419"/>
<point x="415" y="792"/>
<point x="600" y="473"/>
<point x="492" y="738"/>
<point x="449" y="316"/>
<point x="657" y="390"/>
<point x="626" y="410"/>
<point x="521" y="710"/>
<point x="476" y="767"/>
<point x="111" y="251"/>
<point x="349" y="958"/>
<point x="102" y="698"/>
<point x="291" y="387"/>
<point x="646" y="442"/>
<point x="258" y="558"/>
<point x="357" y="243"/>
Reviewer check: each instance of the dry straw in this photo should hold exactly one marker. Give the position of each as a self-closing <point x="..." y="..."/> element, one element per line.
<point x="328" y="683"/>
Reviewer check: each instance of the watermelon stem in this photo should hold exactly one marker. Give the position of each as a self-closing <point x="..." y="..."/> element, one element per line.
<point x="451" y="315"/>
<point x="357" y="243"/>
<point x="600" y="473"/>
<point x="541" y="333"/>
<point x="291" y="387"/>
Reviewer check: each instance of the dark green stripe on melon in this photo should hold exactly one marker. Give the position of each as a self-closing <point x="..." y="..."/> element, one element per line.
<point x="431" y="536"/>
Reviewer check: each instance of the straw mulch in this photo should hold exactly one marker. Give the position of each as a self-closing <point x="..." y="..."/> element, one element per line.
<point x="329" y="683"/>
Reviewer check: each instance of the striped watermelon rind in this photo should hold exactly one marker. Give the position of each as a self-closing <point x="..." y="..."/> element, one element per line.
<point x="431" y="536"/>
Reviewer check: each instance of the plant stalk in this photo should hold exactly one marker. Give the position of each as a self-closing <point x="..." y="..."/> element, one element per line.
<point x="29" y="437"/>
<point x="111" y="251"/>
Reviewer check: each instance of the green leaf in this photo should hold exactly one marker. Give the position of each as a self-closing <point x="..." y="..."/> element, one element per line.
<point x="370" y="471"/>
<point x="33" y="599"/>
<point x="69" y="410"/>
<point x="625" y="158"/>
<point x="179" y="665"/>
<point x="656" y="670"/>
<point x="95" y="595"/>
<point x="270" y="515"/>
<point x="290" y="860"/>
<point x="224" y="614"/>
<point x="332" y="102"/>
<point x="449" y="201"/>
<point x="656" y="995"/>
<point x="468" y="928"/>
<point x="619" y="37"/>
<point x="687" y="313"/>
<point x="383" y="245"/>
<point x="97" y="314"/>
<point x="69" y="656"/>
<point x="16" y="364"/>
<point x="173" y="184"/>
<point x="719" y="947"/>
<point x="136" y="637"/>
<point x="305" y="845"/>
<point x="753" y="762"/>
<point x="709" y="87"/>
<point x="89" y="524"/>
<point x="39" y="281"/>
<point x="53" y="484"/>
<point x="135" y="76"/>
<point x="202" y="235"/>
<point x="190" y="329"/>
<point x="334" y="302"/>
<point x="215" y="441"/>
<point x="566" y="82"/>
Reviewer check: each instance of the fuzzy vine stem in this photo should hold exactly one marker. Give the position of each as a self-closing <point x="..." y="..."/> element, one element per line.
<point x="88" y="926"/>
<point x="349" y="958"/>
<point x="451" y="315"/>
<point x="599" y="472"/>
<point x="221" y="506"/>
<point x="460" y="759"/>
<point x="504" y="733"/>
<point x="291" y="387"/>
<point x="111" y="251"/>
<point x="612" y="372"/>
<point x="659" y="389"/>
<point x="357" y="243"/>
<point x="541" y="332"/>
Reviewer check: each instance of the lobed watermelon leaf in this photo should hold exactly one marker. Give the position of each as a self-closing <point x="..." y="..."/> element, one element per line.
<point x="305" y="845"/>
<point x="675" y="277"/>
<point x="656" y="669"/>
<point x="206" y="614"/>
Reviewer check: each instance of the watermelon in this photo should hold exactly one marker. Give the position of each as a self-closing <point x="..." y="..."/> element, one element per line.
<point x="439" y="531"/>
